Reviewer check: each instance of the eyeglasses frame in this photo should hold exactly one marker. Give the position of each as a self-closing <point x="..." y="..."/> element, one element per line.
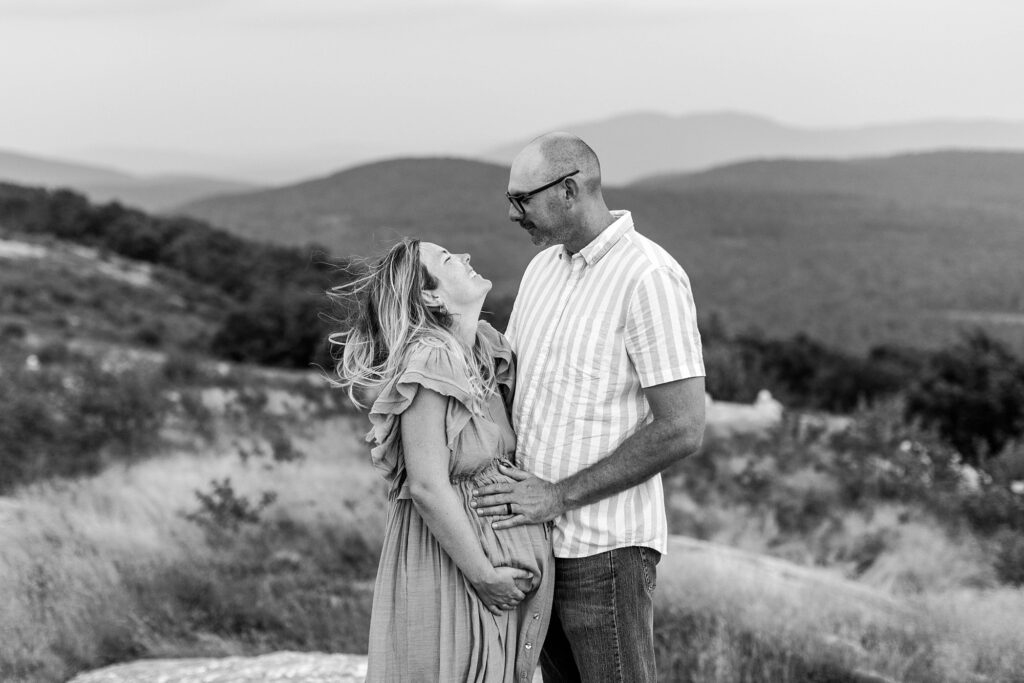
<point x="516" y="200"/>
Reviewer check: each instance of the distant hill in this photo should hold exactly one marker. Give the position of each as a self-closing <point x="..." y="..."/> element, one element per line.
<point x="633" y="146"/>
<point x="989" y="180"/>
<point x="33" y="170"/>
<point x="362" y="210"/>
<point x="60" y="290"/>
<point x="101" y="184"/>
<point x="850" y="270"/>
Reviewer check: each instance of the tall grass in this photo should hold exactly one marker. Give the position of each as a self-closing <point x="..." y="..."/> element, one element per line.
<point x="728" y="615"/>
<point x="107" y="568"/>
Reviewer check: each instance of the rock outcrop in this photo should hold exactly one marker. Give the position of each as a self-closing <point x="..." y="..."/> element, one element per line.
<point x="307" y="667"/>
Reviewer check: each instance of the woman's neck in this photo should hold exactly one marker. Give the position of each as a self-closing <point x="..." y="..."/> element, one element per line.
<point x="464" y="325"/>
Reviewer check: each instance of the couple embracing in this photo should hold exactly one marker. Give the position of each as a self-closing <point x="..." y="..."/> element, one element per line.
<point x="526" y="514"/>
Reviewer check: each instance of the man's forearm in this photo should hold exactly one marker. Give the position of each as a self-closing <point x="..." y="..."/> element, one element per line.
<point x="650" y="450"/>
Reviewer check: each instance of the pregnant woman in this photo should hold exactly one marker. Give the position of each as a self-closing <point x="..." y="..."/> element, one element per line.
<point x="454" y="600"/>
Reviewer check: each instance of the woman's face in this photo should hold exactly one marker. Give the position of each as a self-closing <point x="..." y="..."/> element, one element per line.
<point x="457" y="284"/>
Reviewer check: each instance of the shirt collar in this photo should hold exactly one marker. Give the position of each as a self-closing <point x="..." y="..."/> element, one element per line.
<point x="602" y="244"/>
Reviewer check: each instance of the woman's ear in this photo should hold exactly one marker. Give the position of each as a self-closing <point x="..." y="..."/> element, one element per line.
<point x="431" y="299"/>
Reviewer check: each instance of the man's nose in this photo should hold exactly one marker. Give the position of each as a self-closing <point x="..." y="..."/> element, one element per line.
<point x="514" y="214"/>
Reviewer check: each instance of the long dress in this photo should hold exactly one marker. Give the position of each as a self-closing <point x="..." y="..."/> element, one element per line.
<point x="427" y="622"/>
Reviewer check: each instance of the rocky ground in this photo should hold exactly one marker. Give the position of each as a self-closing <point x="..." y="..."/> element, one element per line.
<point x="281" y="666"/>
<point x="306" y="667"/>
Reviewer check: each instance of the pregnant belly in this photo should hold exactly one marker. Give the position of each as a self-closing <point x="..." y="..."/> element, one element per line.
<point x="525" y="547"/>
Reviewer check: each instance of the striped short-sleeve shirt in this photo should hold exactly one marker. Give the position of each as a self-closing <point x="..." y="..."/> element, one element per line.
<point x="591" y="330"/>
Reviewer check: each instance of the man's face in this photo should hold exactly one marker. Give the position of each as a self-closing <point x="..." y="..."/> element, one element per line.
<point x="541" y="215"/>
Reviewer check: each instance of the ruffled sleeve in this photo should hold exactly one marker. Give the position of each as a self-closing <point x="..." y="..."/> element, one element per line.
<point x="430" y="365"/>
<point x="504" y="359"/>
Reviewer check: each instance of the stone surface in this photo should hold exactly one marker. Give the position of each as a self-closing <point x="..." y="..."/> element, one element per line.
<point x="304" y="667"/>
<point x="308" y="667"/>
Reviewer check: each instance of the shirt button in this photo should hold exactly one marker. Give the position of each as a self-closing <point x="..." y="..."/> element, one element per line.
<point x="536" y="616"/>
<point x="529" y="646"/>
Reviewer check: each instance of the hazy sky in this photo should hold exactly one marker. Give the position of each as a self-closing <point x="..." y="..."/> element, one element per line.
<point x="231" y="78"/>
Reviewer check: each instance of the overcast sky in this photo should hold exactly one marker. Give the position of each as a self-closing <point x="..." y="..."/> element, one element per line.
<point x="261" y="77"/>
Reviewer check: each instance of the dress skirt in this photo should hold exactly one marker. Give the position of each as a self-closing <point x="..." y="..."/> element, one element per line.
<point x="427" y="622"/>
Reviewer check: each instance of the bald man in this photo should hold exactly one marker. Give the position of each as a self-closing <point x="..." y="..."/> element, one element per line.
<point x="610" y="392"/>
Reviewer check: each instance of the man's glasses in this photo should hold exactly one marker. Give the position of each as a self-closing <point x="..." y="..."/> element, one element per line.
<point x="518" y="201"/>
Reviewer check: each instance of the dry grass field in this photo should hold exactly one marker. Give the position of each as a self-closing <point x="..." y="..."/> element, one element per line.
<point x="110" y="568"/>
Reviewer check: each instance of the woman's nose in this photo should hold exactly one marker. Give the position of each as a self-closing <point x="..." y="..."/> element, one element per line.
<point x="465" y="257"/>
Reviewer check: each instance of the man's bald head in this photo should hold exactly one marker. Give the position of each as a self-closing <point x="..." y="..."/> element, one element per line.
<point x="560" y="206"/>
<point x="556" y="154"/>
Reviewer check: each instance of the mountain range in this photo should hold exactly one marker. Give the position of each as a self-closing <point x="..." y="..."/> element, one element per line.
<point x="632" y="146"/>
<point x="853" y="264"/>
<point x="989" y="180"/>
<point x="99" y="183"/>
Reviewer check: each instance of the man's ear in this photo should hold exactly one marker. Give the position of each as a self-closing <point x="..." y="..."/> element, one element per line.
<point x="571" y="189"/>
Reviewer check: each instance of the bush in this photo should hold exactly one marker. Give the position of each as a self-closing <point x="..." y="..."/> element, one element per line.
<point x="973" y="393"/>
<point x="222" y="512"/>
<point x="12" y="330"/>
<point x="283" y="329"/>
<point x="882" y="457"/>
<point x="1009" y="563"/>
<point x="994" y="508"/>
<point x="182" y="368"/>
<point x="68" y="418"/>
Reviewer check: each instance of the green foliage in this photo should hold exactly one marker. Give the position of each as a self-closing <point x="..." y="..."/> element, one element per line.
<point x="802" y="372"/>
<point x="994" y="508"/>
<point x="277" y="293"/>
<point x="973" y="393"/>
<point x="882" y="457"/>
<point x="1010" y="557"/>
<point x="62" y="415"/>
<point x="276" y="328"/>
<point x="222" y="512"/>
<point x="181" y="368"/>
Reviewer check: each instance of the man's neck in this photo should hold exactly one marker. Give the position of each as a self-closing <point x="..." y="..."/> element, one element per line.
<point x="592" y="226"/>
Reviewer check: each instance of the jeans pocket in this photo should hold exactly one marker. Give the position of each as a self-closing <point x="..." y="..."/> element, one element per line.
<point x="649" y="562"/>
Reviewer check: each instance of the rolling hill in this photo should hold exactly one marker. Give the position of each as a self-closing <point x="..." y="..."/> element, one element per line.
<point x="101" y="184"/>
<point x="969" y="179"/>
<point x="633" y="146"/>
<point x="851" y="270"/>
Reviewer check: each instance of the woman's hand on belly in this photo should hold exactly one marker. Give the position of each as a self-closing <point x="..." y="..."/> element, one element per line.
<point x="503" y="589"/>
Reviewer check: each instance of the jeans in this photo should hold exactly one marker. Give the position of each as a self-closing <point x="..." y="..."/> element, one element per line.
<point x="602" y="626"/>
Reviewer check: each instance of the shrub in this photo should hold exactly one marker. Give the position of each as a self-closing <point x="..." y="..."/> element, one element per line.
<point x="70" y="417"/>
<point x="880" y="456"/>
<point x="13" y="330"/>
<point x="275" y="328"/>
<point x="973" y="393"/>
<point x="182" y="368"/>
<point x="994" y="508"/>
<point x="1009" y="562"/>
<point x="222" y="512"/>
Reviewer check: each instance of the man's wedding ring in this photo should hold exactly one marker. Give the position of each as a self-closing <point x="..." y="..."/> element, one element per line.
<point x="508" y="506"/>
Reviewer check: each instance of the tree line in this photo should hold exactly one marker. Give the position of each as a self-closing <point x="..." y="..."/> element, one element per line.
<point x="971" y="392"/>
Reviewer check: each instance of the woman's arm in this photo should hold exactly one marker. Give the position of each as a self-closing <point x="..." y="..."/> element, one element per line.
<point x="427" y="460"/>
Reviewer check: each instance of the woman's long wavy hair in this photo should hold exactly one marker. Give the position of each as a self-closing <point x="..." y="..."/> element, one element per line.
<point x="387" y="316"/>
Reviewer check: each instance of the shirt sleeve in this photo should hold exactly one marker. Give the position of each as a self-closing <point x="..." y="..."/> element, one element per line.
<point x="661" y="333"/>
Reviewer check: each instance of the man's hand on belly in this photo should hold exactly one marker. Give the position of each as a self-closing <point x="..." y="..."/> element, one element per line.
<point x="529" y="499"/>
